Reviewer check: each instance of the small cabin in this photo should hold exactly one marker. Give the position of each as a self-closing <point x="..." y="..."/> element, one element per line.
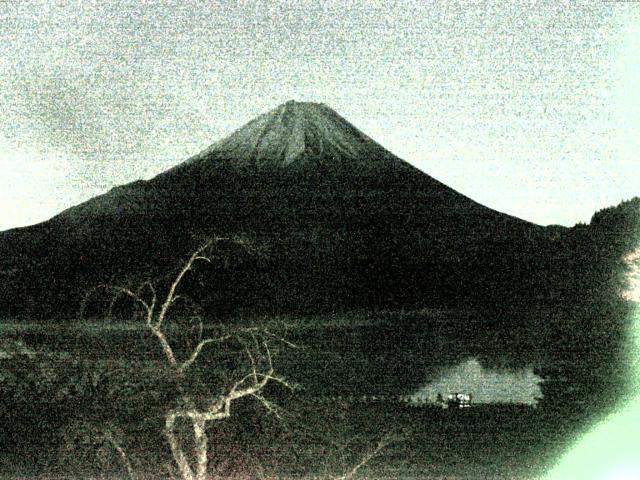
<point x="458" y="400"/>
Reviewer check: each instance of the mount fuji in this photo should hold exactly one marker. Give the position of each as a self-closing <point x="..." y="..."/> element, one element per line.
<point x="341" y="221"/>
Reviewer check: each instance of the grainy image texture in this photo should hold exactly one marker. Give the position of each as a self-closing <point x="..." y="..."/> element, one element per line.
<point x="317" y="240"/>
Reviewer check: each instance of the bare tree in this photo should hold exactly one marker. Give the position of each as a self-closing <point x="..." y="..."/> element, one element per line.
<point x="196" y="409"/>
<point x="366" y="458"/>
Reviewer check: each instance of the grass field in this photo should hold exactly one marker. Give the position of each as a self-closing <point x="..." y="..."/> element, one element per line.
<point x="326" y="426"/>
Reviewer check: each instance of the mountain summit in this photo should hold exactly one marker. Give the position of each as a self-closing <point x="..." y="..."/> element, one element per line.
<point x="298" y="133"/>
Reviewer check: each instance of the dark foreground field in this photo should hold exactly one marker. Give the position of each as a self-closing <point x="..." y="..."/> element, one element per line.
<point x="326" y="441"/>
<point x="63" y="387"/>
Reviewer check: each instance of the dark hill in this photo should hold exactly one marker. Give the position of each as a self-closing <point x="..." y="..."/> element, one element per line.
<point x="342" y="222"/>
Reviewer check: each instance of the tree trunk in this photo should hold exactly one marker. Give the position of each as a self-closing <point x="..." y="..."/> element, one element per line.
<point x="201" y="449"/>
<point x="186" y="473"/>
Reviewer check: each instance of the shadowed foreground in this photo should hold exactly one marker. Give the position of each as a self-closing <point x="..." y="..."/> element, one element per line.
<point x="66" y="388"/>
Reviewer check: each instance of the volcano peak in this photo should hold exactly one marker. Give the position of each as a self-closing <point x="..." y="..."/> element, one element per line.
<point x="298" y="133"/>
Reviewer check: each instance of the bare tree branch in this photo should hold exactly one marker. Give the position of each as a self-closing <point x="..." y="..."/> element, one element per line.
<point x="200" y="257"/>
<point x="166" y="347"/>
<point x="282" y="339"/>
<point x="196" y="351"/>
<point x="117" y="292"/>
<point x="383" y="443"/>
<point x="270" y="406"/>
<point x="197" y="255"/>
<point x="122" y="454"/>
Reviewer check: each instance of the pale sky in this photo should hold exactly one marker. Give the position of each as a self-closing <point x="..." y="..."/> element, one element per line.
<point x="530" y="107"/>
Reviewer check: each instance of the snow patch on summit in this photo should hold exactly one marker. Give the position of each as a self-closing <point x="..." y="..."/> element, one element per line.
<point x="298" y="132"/>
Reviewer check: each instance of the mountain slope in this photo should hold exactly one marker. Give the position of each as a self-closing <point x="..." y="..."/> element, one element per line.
<point x="346" y="224"/>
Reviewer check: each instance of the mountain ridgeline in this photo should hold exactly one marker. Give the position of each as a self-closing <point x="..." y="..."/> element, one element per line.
<point x="338" y="223"/>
